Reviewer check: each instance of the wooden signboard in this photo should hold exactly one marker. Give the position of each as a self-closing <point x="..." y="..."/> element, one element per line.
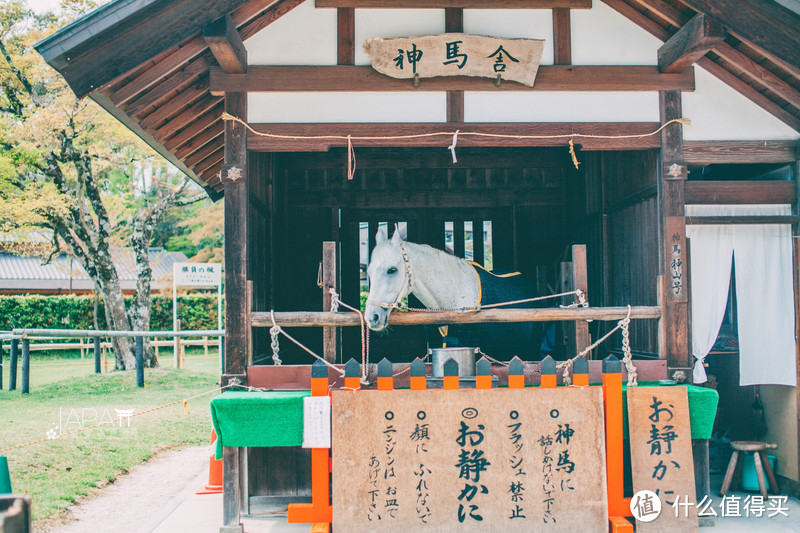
<point x="661" y="456"/>
<point x="495" y="460"/>
<point x="456" y="54"/>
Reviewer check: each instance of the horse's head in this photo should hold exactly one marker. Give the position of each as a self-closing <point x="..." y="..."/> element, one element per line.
<point x="389" y="279"/>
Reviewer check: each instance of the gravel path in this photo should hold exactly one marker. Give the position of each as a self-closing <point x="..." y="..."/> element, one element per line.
<point x="138" y="500"/>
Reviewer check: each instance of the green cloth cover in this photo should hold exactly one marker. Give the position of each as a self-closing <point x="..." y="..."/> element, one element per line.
<point x="702" y="408"/>
<point x="272" y="418"/>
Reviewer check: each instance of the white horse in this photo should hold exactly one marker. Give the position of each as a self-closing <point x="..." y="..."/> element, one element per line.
<point x="442" y="281"/>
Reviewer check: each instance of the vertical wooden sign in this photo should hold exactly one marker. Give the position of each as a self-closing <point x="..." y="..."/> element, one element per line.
<point x="661" y="457"/>
<point x="465" y="460"/>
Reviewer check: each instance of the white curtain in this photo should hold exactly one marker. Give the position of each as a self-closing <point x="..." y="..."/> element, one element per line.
<point x="764" y="291"/>
<point x="712" y="253"/>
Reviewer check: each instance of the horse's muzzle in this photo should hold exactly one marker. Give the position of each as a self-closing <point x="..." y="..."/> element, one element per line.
<point x="376" y="317"/>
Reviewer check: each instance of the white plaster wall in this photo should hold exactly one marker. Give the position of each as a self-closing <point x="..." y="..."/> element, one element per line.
<point x="303" y="36"/>
<point x="719" y="113"/>
<point x="547" y="106"/>
<point x="780" y="411"/>
<point x="513" y="24"/>
<point x="601" y="36"/>
<point x="390" y="23"/>
<point x="346" y="107"/>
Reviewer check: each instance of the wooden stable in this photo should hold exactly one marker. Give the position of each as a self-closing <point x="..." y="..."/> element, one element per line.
<point x="291" y="70"/>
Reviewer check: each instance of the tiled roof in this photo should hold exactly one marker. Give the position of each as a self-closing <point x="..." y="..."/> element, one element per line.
<point x="65" y="273"/>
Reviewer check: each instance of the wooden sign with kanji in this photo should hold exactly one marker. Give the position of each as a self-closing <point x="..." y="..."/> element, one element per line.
<point x="456" y="54"/>
<point x="463" y="460"/>
<point x="661" y="457"/>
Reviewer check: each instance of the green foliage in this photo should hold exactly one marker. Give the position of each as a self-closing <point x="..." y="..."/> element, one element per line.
<point x="196" y="311"/>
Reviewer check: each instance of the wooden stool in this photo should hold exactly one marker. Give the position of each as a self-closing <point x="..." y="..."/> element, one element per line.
<point x="761" y="464"/>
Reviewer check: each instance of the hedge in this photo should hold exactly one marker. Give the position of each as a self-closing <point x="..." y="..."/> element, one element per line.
<point x="196" y="311"/>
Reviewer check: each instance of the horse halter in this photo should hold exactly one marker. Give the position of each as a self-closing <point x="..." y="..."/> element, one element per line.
<point x="398" y="302"/>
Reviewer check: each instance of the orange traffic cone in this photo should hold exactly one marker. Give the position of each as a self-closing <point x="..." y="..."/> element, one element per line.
<point x="214" y="470"/>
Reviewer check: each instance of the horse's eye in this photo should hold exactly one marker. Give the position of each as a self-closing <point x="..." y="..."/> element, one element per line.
<point x="392" y="270"/>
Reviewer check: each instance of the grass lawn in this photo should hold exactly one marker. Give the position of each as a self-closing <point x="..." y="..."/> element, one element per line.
<point x="58" y="471"/>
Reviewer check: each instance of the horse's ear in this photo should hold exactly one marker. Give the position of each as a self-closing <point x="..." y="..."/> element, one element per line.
<point x="398" y="230"/>
<point x="381" y="235"/>
<point x="397" y="238"/>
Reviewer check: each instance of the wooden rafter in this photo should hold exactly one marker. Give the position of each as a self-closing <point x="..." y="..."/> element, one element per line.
<point x="694" y="40"/>
<point x="226" y="44"/>
<point x="257" y="142"/>
<point x="211" y="133"/>
<point x="774" y="29"/>
<point x="168" y="88"/>
<point x="264" y="17"/>
<point x="202" y="122"/>
<point x="177" y="104"/>
<point x="466" y="4"/>
<point x="768" y="81"/>
<point x="358" y="78"/>
<point x="187" y="116"/>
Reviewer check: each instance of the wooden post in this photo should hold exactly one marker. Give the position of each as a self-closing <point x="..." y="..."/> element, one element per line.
<point x="234" y="176"/>
<point x="319" y="512"/>
<point x="330" y="336"/>
<point x="580" y="280"/>
<point x="516" y="373"/>
<point x="26" y="366"/>
<point x="483" y="374"/>
<point x="139" y="362"/>
<point x="96" y="355"/>
<point x="385" y="378"/>
<point x="673" y="258"/>
<point x="352" y="375"/>
<point x="418" y="379"/>
<point x="548" y="373"/>
<point x="230" y="491"/>
<point x="205" y="346"/>
<point x="618" y="505"/>
<point x="450" y="379"/>
<point x="12" y="377"/>
<point x="580" y="372"/>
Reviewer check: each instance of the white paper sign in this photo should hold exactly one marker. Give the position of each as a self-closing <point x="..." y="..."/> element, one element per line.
<point x="197" y="274"/>
<point x="316" y="422"/>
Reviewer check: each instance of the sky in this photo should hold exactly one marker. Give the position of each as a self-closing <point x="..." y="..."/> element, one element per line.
<point x="44" y="5"/>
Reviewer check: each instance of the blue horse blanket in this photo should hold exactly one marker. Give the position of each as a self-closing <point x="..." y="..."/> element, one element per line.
<point x="501" y="341"/>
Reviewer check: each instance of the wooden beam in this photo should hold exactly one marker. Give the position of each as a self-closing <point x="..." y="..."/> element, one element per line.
<point x="783" y="219"/>
<point x="326" y="135"/>
<point x="206" y="136"/>
<point x="362" y="78"/>
<point x="771" y="28"/>
<point x="175" y="105"/>
<point x="465" y="4"/>
<point x="739" y="152"/>
<point x="741" y="192"/>
<point x="690" y="43"/>
<point x="562" y="36"/>
<point x="493" y="316"/>
<point x="226" y="44"/>
<point x="346" y="35"/>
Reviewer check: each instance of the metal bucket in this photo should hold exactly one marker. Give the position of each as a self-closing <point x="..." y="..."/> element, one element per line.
<point x="465" y="357"/>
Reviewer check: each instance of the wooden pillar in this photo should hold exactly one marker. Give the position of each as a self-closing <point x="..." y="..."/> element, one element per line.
<point x="234" y="179"/>
<point x="330" y="336"/>
<point x="580" y="280"/>
<point x="673" y="261"/>
<point x="454" y="23"/>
